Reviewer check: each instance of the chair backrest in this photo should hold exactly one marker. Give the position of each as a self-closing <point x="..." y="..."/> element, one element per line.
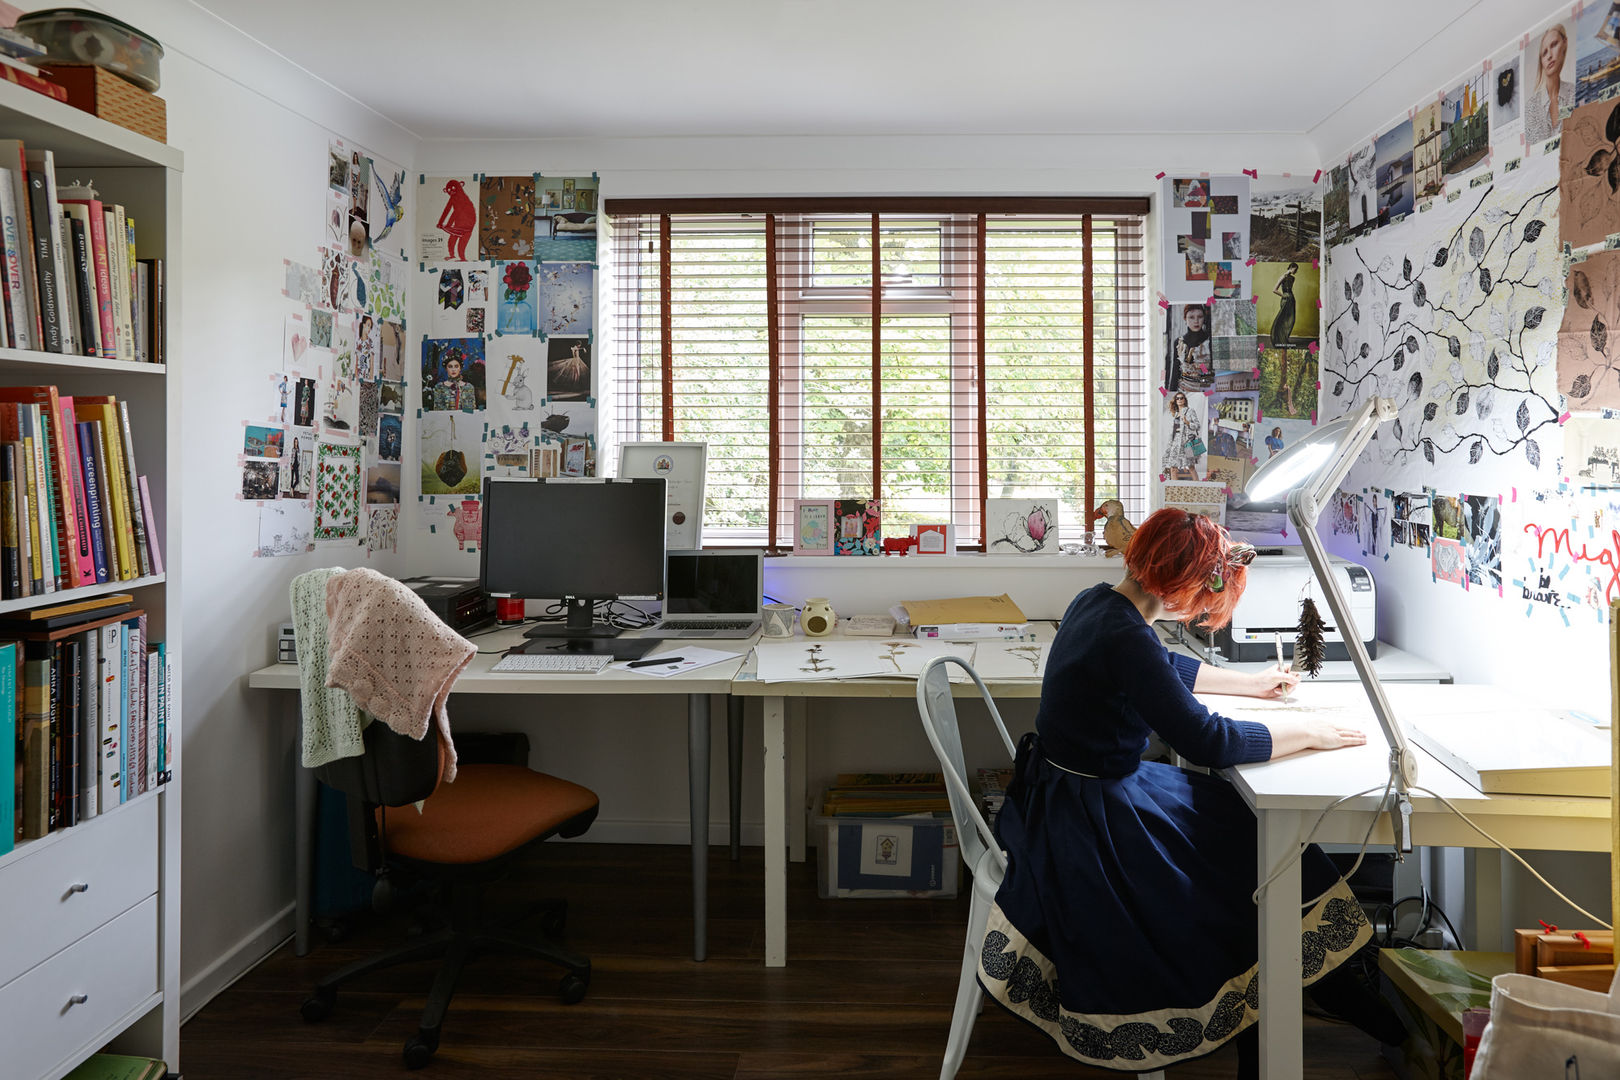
<point x="937" y="708"/>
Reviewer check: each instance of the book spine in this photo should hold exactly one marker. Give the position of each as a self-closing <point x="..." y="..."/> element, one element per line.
<point x="68" y="713"/>
<point x="107" y="333"/>
<point x="152" y="541"/>
<point x="129" y="269"/>
<point x="135" y="728"/>
<point x="133" y="480"/>
<point x="72" y="341"/>
<point x="58" y="741"/>
<point x="8" y="525"/>
<point x="154" y="734"/>
<point x="117" y="488"/>
<point x="81" y="566"/>
<point x="12" y="246"/>
<point x="92" y="499"/>
<point x="109" y="520"/>
<point x="118" y="241"/>
<point x="32" y="486"/>
<point x="37" y="746"/>
<point x="84" y="286"/>
<point x="65" y="501"/>
<point x="126" y="747"/>
<point x="50" y="506"/>
<point x="25" y="555"/>
<point x="143" y="312"/>
<point x="8" y="748"/>
<point x="158" y="315"/>
<point x="165" y="766"/>
<point x="45" y="266"/>
<point x="107" y="710"/>
<point x="89" y="729"/>
<point x="115" y="264"/>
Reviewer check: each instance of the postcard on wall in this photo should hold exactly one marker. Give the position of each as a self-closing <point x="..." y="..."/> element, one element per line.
<point x="387" y="278"/>
<point x="453" y="374"/>
<point x="517" y="376"/>
<point x="504" y="440"/>
<point x="382" y="529"/>
<point x="565" y="219"/>
<point x="390" y="397"/>
<point x="286" y="528"/>
<point x="1287" y="313"/>
<point x="1188" y="355"/>
<point x="1197" y="497"/>
<point x="447" y="219"/>
<point x="449" y="444"/>
<point x="1586" y="375"/>
<point x="1021" y="526"/>
<point x="1395" y="152"/>
<point x="261" y="479"/>
<point x="1362" y="205"/>
<point x="382" y="483"/>
<point x="336" y="283"/>
<point x="1549" y="80"/>
<point x="1336" y="203"/>
<point x="1466" y="107"/>
<point x="1198" y="213"/>
<point x="1592" y="452"/>
<point x="387" y="208"/>
<point x="1285" y="220"/>
<point x="1182" y="426"/>
<point x="1597" y="58"/>
<point x="858" y="527"/>
<point x="298" y="465"/>
<point x="567" y="297"/>
<point x="568" y="368"/>
<point x="451" y="313"/>
<point x="515" y="299"/>
<point x="1507" y="95"/>
<point x="1589" y="174"/>
<point x="505" y="218"/>
<point x="565" y="420"/>
<point x="337" y="492"/>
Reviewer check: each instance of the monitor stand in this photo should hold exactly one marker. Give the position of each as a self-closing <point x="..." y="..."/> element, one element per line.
<point x="579" y="624"/>
<point x="619" y="648"/>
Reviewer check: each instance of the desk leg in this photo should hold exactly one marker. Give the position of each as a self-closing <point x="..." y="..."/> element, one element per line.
<point x="304" y="796"/>
<point x="734" y="749"/>
<point x="1282" y="1035"/>
<point x="798" y="775"/>
<point x="1482" y="870"/>
<point x="774" y="744"/>
<point x="697" y="768"/>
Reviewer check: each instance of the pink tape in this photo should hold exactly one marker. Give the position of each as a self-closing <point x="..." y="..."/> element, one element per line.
<point x="1204" y="174"/>
<point x="1285" y="530"/>
<point x="1316" y="264"/>
<point x="1317" y="178"/>
<point x="1228" y="489"/>
<point x="1515" y="494"/>
<point x="1163" y="392"/>
<point x="1158" y="176"/>
<point x="1250" y="261"/>
<point x="1318" y="303"/>
<point x="1252" y="174"/>
<point x="1313" y="413"/>
<point x="1162" y="478"/>
<point x="1255" y="299"/>
<point x="1254" y="461"/>
<point x="1164" y="303"/>
<point x="1563" y="419"/>
<point x="1287" y="174"/>
<point x="1209" y="301"/>
<point x="1319" y="384"/>
<point x="1312" y="347"/>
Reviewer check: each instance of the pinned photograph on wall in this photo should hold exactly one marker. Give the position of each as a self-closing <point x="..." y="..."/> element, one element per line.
<point x="568" y="368"/>
<point x="390" y="351"/>
<point x="1285" y="220"/>
<point x="320" y="328"/>
<point x="1446" y="517"/>
<point x="1223" y="278"/>
<point x="1465" y="137"/>
<point x="340" y="410"/>
<point x="1592" y="452"/>
<point x="449" y="307"/>
<point x="387" y="209"/>
<point x="1233" y="318"/>
<point x="565" y="219"/>
<point x="447" y="219"/>
<point x="578" y="456"/>
<point x="1225" y="204"/>
<point x="262" y="442"/>
<point x="567" y="297"/>
<point x="449" y="444"/>
<point x="298" y="466"/>
<point x="858" y="527"/>
<point x="1446" y="560"/>
<point x="1021" y="526"/>
<point x="358" y="233"/>
<point x="1197" y="497"/>
<point x="1482" y="540"/>
<point x="285" y="528"/>
<point x="390" y="397"/>
<point x="1394" y="153"/>
<point x="1586" y="374"/>
<point x="382" y="529"/>
<point x="515" y="289"/>
<point x="1288" y="380"/>
<point x="337" y="492"/>
<point x="1597" y="54"/>
<point x="1192" y="251"/>
<point x="304" y="403"/>
<point x="1232" y="246"/>
<point x="1192" y="191"/>
<point x="1507" y="92"/>
<point x="279" y="405"/>
<point x="560" y="420"/>
<point x="453" y="374"/>
<point x="1549" y="81"/>
<point x="1274" y="434"/>
<point x="294" y="340"/>
<point x="1188" y="356"/>
<point x="1232" y="418"/>
<point x="368" y="408"/>
<point x="337" y="293"/>
<point x="337" y="220"/>
<point x="1363" y="198"/>
<point x="466" y="523"/>
<point x="367" y="344"/>
<point x="390" y="436"/>
<point x="1245" y="380"/>
<point x="261" y="479"/>
<point x="1411" y="519"/>
<point x="382" y="483"/>
<point x="545" y="461"/>
<point x="1235" y="354"/>
<point x="387" y="278"/>
<point x="1200" y="224"/>
<point x="337" y="167"/>
<point x="1589" y="174"/>
<point x="1287" y="292"/>
<point x="516" y="366"/>
<point x="1183" y="427"/>
<point x="505" y="217"/>
<point x="506" y="439"/>
<point x="301" y="283"/>
<point x="1427" y="142"/>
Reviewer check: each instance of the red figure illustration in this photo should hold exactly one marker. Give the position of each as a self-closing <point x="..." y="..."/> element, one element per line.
<point x="457" y="219"/>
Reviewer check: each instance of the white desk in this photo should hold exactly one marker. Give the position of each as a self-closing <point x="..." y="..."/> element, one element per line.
<point x="1287" y="795"/>
<point x="1392" y="664"/>
<point x="696" y="684"/>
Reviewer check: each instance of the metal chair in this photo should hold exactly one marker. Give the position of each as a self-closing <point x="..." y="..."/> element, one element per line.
<point x="986" y="861"/>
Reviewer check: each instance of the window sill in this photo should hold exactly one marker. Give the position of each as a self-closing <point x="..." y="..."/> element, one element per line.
<point x="967" y="561"/>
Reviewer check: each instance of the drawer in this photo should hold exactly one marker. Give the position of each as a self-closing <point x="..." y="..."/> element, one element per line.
<point x="114" y="969"/>
<point x="42" y="907"/>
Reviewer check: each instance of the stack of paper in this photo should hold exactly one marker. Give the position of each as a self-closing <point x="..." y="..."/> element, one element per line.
<point x="895" y="658"/>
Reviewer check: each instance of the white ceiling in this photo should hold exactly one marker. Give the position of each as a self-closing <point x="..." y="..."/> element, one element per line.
<point x="523" y="69"/>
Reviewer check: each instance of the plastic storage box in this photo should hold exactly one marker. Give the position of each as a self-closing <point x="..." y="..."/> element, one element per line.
<point x="81" y="36"/>
<point x="886" y="858"/>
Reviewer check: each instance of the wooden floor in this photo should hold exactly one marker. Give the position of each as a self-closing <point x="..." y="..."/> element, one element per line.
<point x="867" y="992"/>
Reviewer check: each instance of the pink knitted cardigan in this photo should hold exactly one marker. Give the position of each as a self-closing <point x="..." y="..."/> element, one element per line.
<point x="395" y="657"/>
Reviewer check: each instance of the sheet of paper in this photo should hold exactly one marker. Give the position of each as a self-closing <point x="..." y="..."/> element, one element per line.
<point x="963" y="609"/>
<point x="804" y="660"/>
<point x="674" y="661"/>
<point x="1003" y="660"/>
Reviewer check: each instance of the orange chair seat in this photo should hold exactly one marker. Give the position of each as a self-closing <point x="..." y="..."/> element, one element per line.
<point x="488" y="811"/>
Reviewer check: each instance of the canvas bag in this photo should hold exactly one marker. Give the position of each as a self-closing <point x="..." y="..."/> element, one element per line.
<point x="1545" y="1030"/>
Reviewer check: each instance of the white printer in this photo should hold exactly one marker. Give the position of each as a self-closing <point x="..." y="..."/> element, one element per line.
<point x="1278" y="580"/>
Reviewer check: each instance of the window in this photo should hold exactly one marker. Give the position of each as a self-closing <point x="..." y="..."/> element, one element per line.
<point x="962" y="377"/>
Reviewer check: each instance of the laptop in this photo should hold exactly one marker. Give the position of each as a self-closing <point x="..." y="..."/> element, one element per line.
<point x="712" y="594"/>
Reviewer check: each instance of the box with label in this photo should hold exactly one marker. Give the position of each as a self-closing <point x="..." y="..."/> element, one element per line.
<point x="915" y="856"/>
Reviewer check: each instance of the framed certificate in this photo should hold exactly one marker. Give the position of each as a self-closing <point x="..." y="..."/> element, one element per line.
<point x="682" y="466"/>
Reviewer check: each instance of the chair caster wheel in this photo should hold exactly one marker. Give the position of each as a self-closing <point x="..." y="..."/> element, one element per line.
<point x="419" y="1049"/>
<point x="572" y="989"/>
<point x="318" y="1006"/>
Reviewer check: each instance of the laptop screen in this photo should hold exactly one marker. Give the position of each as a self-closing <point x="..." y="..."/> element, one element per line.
<point x="713" y="583"/>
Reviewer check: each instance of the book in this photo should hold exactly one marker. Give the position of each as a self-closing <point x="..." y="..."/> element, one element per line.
<point x="49" y="261"/>
<point x="12" y="248"/>
<point x="119" y="1067"/>
<point x="68" y="512"/>
<point x="127" y="757"/>
<point x="114" y="486"/>
<point x="84" y="560"/>
<point x="50" y="507"/>
<point x="158" y="323"/>
<point x="70" y="719"/>
<point x="154" y="736"/>
<point x="82" y="200"/>
<point x="36" y="742"/>
<point x="115" y="265"/>
<point x="134" y="677"/>
<point x="8" y="747"/>
<point x="33" y="487"/>
<point x="14" y="155"/>
<point x="152" y="541"/>
<point x="118" y="250"/>
<point x="32" y="628"/>
<point x="89" y="691"/>
<point x="131" y="522"/>
<point x="143" y="312"/>
<point x="84" y="280"/>
<point x="132" y="476"/>
<point x="19" y="476"/>
<point x="129" y="269"/>
<point x="111" y="724"/>
<point x="74" y="335"/>
<point x="12" y="586"/>
<point x="58" y="738"/>
<point x="89" y="441"/>
<point x="161" y="681"/>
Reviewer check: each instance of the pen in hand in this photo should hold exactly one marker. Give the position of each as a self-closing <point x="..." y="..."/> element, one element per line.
<point x="655" y="661"/>
<point x="1280" y="665"/>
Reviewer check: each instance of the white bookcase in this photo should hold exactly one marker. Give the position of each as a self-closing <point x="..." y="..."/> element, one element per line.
<point x="90" y="951"/>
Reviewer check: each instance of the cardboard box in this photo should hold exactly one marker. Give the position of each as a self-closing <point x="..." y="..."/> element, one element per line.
<point x="914" y="857"/>
<point x="115" y="99"/>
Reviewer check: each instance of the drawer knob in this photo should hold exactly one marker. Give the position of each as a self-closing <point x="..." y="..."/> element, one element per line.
<point x="80" y="886"/>
<point x="78" y="999"/>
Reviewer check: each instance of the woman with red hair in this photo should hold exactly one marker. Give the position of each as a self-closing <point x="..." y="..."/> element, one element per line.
<point x="1125" y="927"/>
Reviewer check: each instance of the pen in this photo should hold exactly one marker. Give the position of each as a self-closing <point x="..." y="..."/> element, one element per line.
<point x="1280" y="667"/>
<point x="655" y="661"/>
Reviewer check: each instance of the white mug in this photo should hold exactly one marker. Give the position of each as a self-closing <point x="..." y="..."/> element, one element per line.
<point x="778" y="620"/>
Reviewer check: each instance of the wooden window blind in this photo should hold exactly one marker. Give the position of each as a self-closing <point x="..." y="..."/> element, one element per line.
<point x="933" y="357"/>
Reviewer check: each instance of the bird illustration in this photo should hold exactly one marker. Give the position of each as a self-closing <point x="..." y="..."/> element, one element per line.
<point x="393" y="200"/>
<point x="1116" y="530"/>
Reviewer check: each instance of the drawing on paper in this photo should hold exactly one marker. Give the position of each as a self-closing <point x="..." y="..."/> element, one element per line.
<point x="286" y="528"/>
<point x="1022" y="526"/>
<point x="1587" y="342"/>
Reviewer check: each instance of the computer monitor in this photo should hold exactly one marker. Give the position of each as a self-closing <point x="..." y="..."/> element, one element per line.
<point x="577" y="540"/>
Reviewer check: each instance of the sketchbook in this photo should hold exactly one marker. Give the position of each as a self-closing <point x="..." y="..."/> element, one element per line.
<point x="1537" y="752"/>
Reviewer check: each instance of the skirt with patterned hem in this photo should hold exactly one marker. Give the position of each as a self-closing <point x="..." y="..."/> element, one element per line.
<point x="1125" y="926"/>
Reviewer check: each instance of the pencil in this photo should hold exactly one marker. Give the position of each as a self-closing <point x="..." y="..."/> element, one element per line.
<point x="1280" y="667"/>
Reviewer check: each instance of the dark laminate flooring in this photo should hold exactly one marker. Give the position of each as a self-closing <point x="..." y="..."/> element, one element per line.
<point x="867" y="992"/>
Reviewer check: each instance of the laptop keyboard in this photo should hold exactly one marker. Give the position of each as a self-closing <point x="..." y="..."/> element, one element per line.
<point x="686" y="624"/>
<point x="553" y="663"/>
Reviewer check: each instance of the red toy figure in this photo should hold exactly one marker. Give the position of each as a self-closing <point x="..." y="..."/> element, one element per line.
<point x="458" y="219"/>
<point x="898" y="545"/>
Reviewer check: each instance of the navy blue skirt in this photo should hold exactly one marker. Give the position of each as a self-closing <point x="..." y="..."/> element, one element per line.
<point x="1126" y="928"/>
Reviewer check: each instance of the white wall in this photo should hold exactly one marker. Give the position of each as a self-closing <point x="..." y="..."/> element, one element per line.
<point x="254" y="132"/>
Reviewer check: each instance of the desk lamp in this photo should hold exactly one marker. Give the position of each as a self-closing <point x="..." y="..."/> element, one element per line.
<point x="1310" y="472"/>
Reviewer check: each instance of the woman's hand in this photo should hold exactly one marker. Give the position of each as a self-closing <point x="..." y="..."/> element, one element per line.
<point x="1326" y="735"/>
<point x="1275" y="682"/>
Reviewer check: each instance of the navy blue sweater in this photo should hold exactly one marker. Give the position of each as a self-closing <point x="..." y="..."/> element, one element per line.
<point x="1109" y="680"/>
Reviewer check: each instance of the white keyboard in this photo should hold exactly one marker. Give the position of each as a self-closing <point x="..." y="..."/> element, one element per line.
<point x="560" y="663"/>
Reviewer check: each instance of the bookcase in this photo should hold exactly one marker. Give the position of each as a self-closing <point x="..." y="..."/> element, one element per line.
<point x="90" y="951"/>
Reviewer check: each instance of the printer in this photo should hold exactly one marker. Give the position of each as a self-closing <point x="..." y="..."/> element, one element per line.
<point x="1278" y="580"/>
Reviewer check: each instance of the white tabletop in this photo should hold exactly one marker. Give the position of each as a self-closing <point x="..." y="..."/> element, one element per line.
<point x="1392" y="664"/>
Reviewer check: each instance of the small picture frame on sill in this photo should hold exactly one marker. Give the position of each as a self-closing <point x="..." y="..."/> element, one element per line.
<point x="813" y="527"/>
<point x="934" y="538"/>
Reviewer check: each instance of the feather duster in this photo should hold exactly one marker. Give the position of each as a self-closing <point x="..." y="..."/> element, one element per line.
<point x="1310" y="648"/>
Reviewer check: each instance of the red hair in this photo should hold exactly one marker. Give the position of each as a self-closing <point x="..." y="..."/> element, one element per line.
<point x="1176" y="556"/>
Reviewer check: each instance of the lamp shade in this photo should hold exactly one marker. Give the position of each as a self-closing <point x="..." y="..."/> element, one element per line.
<point x="1296" y="464"/>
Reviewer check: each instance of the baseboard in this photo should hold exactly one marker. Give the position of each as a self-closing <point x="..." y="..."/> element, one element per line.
<point x="237" y="961"/>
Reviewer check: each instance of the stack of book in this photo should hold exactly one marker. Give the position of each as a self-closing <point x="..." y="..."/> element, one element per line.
<point x="84" y="708"/>
<point x="992" y="792"/>
<point x="70" y="279"/>
<point x="119" y="1067"/>
<point x="74" y="508"/>
<point x="884" y="795"/>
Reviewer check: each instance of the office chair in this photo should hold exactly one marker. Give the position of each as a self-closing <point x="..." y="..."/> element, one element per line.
<point x="467" y="834"/>
<point x="986" y="861"/>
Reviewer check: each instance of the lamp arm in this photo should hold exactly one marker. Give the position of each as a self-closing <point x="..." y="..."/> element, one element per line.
<point x="1373" y="412"/>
